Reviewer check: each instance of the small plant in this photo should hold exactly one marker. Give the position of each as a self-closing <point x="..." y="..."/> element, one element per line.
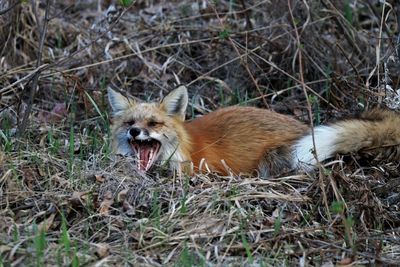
<point x="348" y="12"/>
<point x="64" y="238"/>
<point x="278" y="224"/>
<point x="54" y="143"/>
<point x="316" y="109"/>
<point x="71" y="150"/>
<point x="233" y="191"/>
<point x="126" y="3"/>
<point x="15" y="233"/>
<point x="39" y="242"/>
<point x="155" y="210"/>
<point x="185" y="259"/>
<point x="5" y="134"/>
<point x="245" y="243"/>
<point x="188" y="259"/>
<point x="221" y="95"/>
<point x="339" y="208"/>
<point x="183" y="209"/>
<point x="1" y="261"/>
<point x="225" y="34"/>
<point x="6" y="142"/>
<point x="75" y="259"/>
<point x="239" y="98"/>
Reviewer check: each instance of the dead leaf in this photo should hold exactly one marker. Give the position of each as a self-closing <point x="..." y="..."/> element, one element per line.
<point x="103" y="250"/>
<point x="30" y="176"/>
<point x="4" y="248"/>
<point x="128" y="208"/>
<point x="122" y="195"/>
<point x="100" y="178"/>
<point x="2" y="158"/>
<point x="46" y="224"/>
<point x="205" y="225"/>
<point x="106" y="204"/>
<point x="345" y="262"/>
<point x="78" y="197"/>
<point x="59" y="180"/>
<point x="118" y="223"/>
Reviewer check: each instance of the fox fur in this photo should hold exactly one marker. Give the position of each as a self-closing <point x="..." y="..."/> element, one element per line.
<point x="241" y="140"/>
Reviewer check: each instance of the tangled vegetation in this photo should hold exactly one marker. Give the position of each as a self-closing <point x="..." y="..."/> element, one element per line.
<point x="66" y="201"/>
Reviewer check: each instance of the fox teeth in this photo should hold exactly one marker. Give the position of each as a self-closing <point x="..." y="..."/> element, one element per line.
<point x="150" y="160"/>
<point x="138" y="155"/>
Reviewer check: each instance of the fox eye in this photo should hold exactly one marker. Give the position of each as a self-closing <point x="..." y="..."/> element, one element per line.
<point x="130" y="122"/>
<point x="153" y="123"/>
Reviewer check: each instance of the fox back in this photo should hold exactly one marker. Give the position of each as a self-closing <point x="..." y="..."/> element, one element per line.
<point x="243" y="140"/>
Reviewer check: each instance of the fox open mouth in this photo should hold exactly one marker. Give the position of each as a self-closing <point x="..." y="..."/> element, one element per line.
<point x="147" y="152"/>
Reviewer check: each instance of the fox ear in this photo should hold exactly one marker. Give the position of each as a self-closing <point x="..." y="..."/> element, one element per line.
<point x="175" y="103"/>
<point x="117" y="101"/>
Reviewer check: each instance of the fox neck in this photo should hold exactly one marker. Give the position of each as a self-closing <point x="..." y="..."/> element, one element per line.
<point x="176" y="153"/>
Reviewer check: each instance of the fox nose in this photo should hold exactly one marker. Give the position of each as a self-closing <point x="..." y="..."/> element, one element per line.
<point x="134" y="132"/>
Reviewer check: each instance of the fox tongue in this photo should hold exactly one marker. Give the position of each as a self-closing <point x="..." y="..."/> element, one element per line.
<point x="145" y="154"/>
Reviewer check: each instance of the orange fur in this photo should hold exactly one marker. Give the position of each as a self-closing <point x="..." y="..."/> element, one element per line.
<point x="376" y="134"/>
<point x="243" y="139"/>
<point x="241" y="136"/>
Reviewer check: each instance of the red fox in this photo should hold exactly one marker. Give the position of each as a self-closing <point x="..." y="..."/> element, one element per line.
<point x="240" y="140"/>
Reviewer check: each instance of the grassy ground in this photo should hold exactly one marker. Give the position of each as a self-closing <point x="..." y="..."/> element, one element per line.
<point x="66" y="201"/>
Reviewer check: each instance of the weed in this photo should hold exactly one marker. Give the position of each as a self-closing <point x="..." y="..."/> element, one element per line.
<point x="75" y="258"/>
<point x="155" y="210"/>
<point x="126" y="3"/>
<point x="65" y="242"/>
<point x="183" y="209"/>
<point x="339" y="208"/>
<point x="188" y="259"/>
<point x="224" y="34"/>
<point x="348" y="12"/>
<point x="54" y="143"/>
<point x="316" y="109"/>
<point x="246" y="246"/>
<point x="5" y="134"/>
<point x="39" y="243"/>
<point x="278" y="224"/>
<point x="71" y="151"/>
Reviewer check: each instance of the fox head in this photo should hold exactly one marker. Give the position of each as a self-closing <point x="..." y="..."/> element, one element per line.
<point x="151" y="132"/>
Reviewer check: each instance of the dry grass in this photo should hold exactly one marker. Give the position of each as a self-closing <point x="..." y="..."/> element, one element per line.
<point x="64" y="200"/>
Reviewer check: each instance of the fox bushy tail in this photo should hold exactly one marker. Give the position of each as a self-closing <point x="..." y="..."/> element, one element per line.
<point x="376" y="134"/>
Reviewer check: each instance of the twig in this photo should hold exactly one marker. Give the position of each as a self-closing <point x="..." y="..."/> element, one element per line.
<point x="300" y="60"/>
<point x="347" y="35"/>
<point x="303" y="84"/>
<point x="60" y="62"/>
<point x="398" y="35"/>
<point x="351" y="63"/>
<point x="23" y="124"/>
<point x="251" y="51"/>
<point x="243" y="61"/>
<point x="378" y="54"/>
<point x="273" y="65"/>
<point x="4" y="11"/>
<point x="249" y="25"/>
<point x="48" y="66"/>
